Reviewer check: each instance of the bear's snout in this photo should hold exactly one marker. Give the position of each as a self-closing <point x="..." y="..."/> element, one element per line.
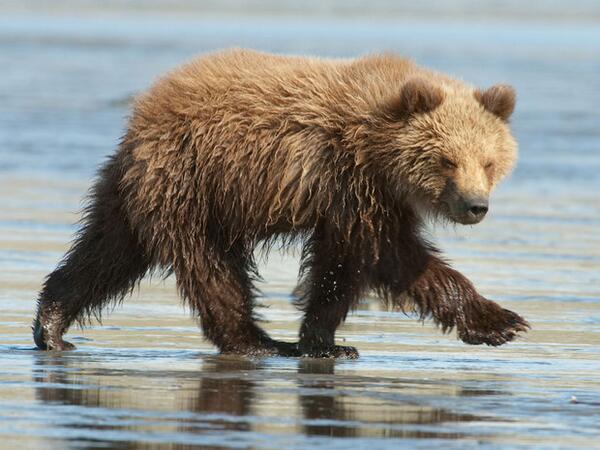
<point x="464" y="207"/>
<point x="470" y="210"/>
<point x="477" y="208"/>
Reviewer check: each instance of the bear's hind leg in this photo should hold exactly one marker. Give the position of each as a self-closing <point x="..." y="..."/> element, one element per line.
<point x="103" y="265"/>
<point x="220" y="293"/>
<point x="331" y="286"/>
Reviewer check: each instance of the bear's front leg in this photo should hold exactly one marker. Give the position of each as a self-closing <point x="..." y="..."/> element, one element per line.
<point x="453" y="300"/>
<point x="331" y="286"/>
<point x="415" y="274"/>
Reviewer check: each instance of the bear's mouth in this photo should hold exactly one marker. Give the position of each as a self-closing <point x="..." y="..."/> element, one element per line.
<point x="468" y="219"/>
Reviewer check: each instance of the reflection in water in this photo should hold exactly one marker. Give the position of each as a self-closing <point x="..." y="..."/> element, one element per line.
<point x="59" y="383"/>
<point x="219" y="406"/>
<point x="224" y="391"/>
<point x="337" y="413"/>
<point x="320" y="404"/>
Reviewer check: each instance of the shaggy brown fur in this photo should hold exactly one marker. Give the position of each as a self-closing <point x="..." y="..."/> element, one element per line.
<point x="240" y="148"/>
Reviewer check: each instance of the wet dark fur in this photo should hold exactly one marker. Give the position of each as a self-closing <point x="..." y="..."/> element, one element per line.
<point x="201" y="218"/>
<point x="102" y="266"/>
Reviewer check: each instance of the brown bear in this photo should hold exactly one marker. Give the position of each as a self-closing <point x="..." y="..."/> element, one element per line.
<point x="349" y="157"/>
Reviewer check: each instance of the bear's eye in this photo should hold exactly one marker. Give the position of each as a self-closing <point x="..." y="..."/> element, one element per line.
<point x="448" y="164"/>
<point x="489" y="165"/>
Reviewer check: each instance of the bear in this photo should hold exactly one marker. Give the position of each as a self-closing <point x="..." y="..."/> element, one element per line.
<point x="239" y="150"/>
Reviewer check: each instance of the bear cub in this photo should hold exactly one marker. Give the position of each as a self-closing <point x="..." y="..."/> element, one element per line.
<point x="349" y="157"/>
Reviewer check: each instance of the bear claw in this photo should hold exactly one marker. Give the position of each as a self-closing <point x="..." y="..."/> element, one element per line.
<point x="494" y="327"/>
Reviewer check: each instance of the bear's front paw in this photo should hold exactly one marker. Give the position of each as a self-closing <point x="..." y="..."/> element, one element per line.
<point x="486" y="322"/>
<point x="335" y="351"/>
<point x="264" y="347"/>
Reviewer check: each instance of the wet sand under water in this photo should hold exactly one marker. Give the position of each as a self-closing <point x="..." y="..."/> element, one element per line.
<point x="147" y="379"/>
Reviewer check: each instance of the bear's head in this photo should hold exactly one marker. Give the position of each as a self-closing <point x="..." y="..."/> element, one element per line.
<point x="448" y="144"/>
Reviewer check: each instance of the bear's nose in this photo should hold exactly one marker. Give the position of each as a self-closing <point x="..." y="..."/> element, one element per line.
<point x="477" y="207"/>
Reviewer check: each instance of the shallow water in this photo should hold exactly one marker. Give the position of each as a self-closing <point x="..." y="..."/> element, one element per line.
<point x="147" y="379"/>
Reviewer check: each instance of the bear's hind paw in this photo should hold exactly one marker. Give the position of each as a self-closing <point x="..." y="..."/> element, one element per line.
<point x="43" y="343"/>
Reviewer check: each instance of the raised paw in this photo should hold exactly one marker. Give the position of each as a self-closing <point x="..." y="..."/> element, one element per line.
<point x="486" y="322"/>
<point x="335" y="351"/>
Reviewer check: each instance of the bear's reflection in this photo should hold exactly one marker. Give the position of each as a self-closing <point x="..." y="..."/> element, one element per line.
<point x="342" y="406"/>
<point x="227" y="389"/>
<point x="229" y="398"/>
<point x="323" y="410"/>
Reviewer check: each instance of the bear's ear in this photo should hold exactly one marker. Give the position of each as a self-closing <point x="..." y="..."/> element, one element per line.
<point x="417" y="96"/>
<point x="499" y="100"/>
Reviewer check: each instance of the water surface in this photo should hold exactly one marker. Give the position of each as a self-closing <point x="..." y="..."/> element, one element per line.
<point x="147" y="379"/>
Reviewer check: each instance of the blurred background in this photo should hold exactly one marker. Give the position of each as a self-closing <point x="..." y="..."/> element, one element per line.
<point x="69" y="70"/>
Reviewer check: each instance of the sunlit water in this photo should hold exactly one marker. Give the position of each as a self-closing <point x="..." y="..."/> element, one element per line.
<point x="147" y="379"/>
